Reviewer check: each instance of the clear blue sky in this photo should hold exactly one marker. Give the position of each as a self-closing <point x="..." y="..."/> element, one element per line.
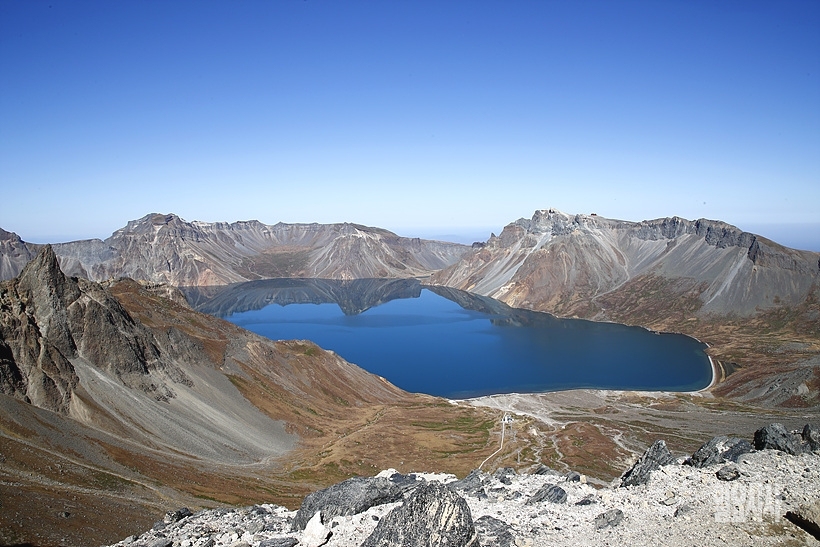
<point x="426" y="118"/>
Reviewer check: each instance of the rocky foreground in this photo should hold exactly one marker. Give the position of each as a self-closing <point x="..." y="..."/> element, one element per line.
<point x="729" y="492"/>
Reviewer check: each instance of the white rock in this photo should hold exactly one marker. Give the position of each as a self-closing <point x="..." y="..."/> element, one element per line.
<point x="316" y="533"/>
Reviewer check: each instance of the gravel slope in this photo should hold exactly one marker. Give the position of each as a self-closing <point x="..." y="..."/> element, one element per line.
<point x="680" y="505"/>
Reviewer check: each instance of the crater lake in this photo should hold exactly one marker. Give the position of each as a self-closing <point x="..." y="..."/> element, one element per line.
<point x="454" y="344"/>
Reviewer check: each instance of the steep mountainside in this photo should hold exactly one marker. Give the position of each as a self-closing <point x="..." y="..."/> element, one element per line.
<point x="167" y="249"/>
<point x="566" y="264"/>
<point x="69" y="346"/>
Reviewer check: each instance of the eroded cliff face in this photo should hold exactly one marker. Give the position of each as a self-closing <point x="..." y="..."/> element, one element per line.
<point x="583" y="265"/>
<point x="168" y="249"/>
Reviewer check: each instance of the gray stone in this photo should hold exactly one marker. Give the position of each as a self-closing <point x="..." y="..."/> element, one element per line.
<point x="811" y="438"/>
<point x="719" y="450"/>
<point x="176" y="516"/>
<point x="573" y="476"/>
<point x="471" y="485"/>
<point x="670" y="501"/>
<point x="654" y="457"/>
<point x="432" y="515"/>
<point x="503" y="474"/>
<point x="589" y="499"/>
<point x="728" y="473"/>
<point x="161" y="542"/>
<point x="683" y="509"/>
<point x="550" y="492"/>
<point x="404" y="482"/>
<point x="494" y="532"/>
<point x="255" y="526"/>
<point x="613" y="517"/>
<point x="279" y="542"/>
<point x="346" y="498"/>
<point x="775" y="437"/>
<point x="544" y="470"/>
<point x="316" y="533"/>
<point x="807" y="517"/>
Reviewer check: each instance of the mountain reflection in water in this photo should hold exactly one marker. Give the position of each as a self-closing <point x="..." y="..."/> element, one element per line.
<point x="451" y="343"/>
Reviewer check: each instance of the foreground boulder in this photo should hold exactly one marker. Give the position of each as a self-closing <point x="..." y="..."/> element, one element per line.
<point x="471" y="485"/>
<point x="551" y="492"/>
<point x="495" y="532"/>
<point x="612" y="518"/>
<point x="719" y="450"/>
<point x="776" y="437"/>
<point x="316" y="533"/>
<point x="350" y="497"/>
<point x="432" y="516"/>
<point x="811" y="438"/>
<point x="654" y="457"/>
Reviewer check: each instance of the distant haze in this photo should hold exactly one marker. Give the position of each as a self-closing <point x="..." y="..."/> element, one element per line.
<point x="805" y="236"/>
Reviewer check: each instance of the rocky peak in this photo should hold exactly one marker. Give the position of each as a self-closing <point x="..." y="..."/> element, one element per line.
<point x="9" y="236"/>
<point x="48" y="292"/>
<point x="48" y="319"/>
<point x="161" y="220"/>
<point x="34" y="334"/>
<point x="150" y="223"/>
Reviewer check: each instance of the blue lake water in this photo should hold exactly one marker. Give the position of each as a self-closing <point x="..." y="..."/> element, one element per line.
<point x="457" y="345"/>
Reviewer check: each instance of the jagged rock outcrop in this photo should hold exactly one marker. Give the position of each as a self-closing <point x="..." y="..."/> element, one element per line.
<point x="551" y="493"/>
<point x="433" y="515"/>
<point x="50" y="324"/>
<point x="590" y="266"/>
<point x="811" y="438"/>
<point x="350" y="497"/>
<point x="776" y="437"/>
<point x="719" y="450"/>
<point x="655" y="456"/>
<point x="47" y="320"/>
<point x="167" y="249"/>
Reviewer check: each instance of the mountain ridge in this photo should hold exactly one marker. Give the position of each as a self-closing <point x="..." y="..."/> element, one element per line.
<point x="561" y="263"/>
<point x="164" y="248"/>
